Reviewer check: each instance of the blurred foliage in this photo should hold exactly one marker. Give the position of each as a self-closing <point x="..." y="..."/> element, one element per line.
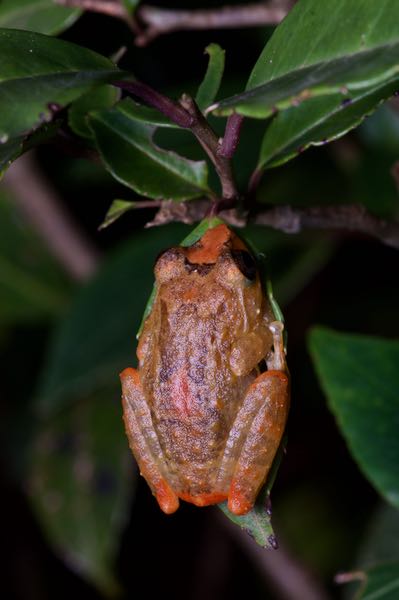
<point x="32" y="285"/>
<point x="63" y="435"/>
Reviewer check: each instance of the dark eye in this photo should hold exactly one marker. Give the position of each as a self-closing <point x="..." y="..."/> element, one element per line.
<point x="245" y="263"/>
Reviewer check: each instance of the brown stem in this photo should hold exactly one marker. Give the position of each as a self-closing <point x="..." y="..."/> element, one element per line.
<point x="165" y="105"/>
<point x="43" y="208"/>
<point x="231" y="136"/>
<point x="159" y="21"/>
<point x="350" y="217"/>
<point x="210" y="143"/>
<point x="112" y="8"/>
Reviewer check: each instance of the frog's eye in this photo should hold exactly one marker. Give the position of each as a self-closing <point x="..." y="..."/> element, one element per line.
<point x="169" y="264"/>
<point x="245" y="262"/>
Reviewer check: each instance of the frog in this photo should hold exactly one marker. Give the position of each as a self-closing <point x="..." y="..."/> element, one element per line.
<point x="206" y="408"/>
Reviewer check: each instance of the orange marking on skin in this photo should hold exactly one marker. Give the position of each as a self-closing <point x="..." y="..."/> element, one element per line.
<point x="204" y="499"/>
<point x="130" y="373"/>
<point x="166" y="497"/>
<point x="237" y="503"/>
<point x="210" y="245"/>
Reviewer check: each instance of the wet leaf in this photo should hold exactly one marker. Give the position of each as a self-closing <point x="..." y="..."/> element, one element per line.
<point x="42" y="16"/>
<point x="360" y="378"/>
<point x="129" y="153"/>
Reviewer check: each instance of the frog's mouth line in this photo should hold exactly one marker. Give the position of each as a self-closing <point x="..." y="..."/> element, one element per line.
<point x="199" y="268"/>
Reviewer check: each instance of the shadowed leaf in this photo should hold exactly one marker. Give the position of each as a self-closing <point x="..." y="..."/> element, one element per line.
<point x="361" y="380"/>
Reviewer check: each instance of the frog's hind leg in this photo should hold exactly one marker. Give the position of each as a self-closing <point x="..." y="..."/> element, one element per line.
<point x="262" y="441"/>
<point x="257" y="431"/>
<point x="143" y="440"/>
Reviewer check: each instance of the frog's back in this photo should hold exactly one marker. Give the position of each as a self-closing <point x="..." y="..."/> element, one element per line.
<point x="193" y="394"/>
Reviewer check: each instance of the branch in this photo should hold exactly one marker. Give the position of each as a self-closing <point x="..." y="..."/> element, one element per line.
<point x="159" y="21"/>
<point x="43" y="208"/>
<point x="187" y="114"/>
<point x="231" y="135"/>
<point x="210" y="142"/>
<point x="350" y="217"/>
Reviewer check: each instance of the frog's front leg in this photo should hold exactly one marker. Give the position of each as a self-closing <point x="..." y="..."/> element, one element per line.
<point x="257" y="431"/>
<point x="143" y="440"/>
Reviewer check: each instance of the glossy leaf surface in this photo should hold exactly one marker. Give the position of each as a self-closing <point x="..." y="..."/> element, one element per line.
<point x="129" y="153"/>
<point x="39" y="75"/>
<point x="209" y="87"/>
<point x="42" y="16"/>
<point x="361" y="380"/>
<point x="316" y="122"/>
<point x="323" y="70"/>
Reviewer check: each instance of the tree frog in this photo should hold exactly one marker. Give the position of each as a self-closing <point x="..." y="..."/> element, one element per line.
<point x="206" y="408"/>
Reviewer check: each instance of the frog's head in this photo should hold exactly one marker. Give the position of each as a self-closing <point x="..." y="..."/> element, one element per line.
<point x="219" y="253"/>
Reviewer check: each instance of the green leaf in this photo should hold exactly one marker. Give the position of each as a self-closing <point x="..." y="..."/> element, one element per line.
<point x="36" y="72"/>
<point x="129" y="153"/>
<point x="379" y="583"/>
<point x="42" y="16"/>
<point x="322" y="89"/>
<point x="130" y="5"/>
<point x="361" y="380"/>
<point x="381" y="541"/>
<point x="16" y="146"/>
<point x="209" y="87"/>
<point x="320" y="49"/>
<point x="103" y="96"/>
<point x="79" y="483"/>
<point x="317" y="121"/>
<point x="116" y="210"/>
<point x="32" y="285"/>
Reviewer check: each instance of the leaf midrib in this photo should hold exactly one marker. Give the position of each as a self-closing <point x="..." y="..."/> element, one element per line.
<point x="74" y="72"/>
<point x="253" y="92"/>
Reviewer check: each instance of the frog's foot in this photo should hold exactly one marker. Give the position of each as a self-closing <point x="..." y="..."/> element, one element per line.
<point x="143" y="441"/>
<point x="204" y="499"/>
<point x="255" y="456"/>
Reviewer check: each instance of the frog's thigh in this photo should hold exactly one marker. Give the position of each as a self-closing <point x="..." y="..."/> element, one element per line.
<point x="143" y="440"/>
<point x="262" y="440"/>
